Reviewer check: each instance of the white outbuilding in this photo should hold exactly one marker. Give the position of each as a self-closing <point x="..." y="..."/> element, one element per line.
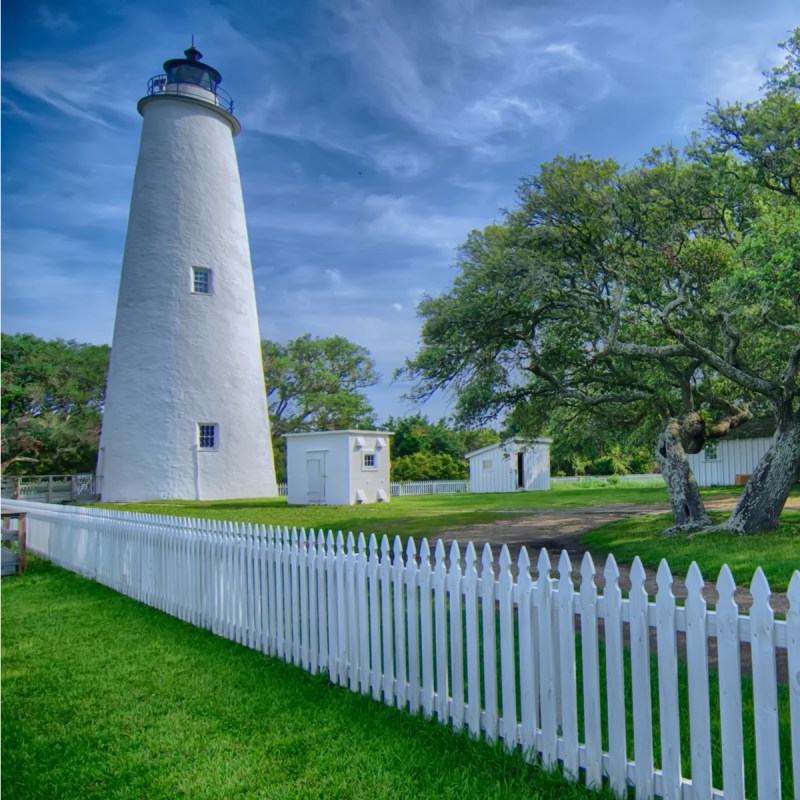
<point x="337" y="468"/>
<point x="731" y="460"/>
<point x="511" y="466"/>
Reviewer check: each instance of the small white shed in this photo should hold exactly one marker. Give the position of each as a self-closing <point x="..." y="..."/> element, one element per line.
<point x="511" y="466"/>
<point x="337" y="468"/>
<point x="721" y="460"/>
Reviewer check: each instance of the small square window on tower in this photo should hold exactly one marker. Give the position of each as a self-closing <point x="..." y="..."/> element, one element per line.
<point x="201" y="280"/>
<point x="207" y="438"/>
<point x="370" y="461"/>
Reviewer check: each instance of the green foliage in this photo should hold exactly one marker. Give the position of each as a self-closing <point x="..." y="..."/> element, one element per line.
<point x="314" y="384"/>
<point x="52" y="398"/>
<point x="427" y="451"/>
<point x="427" y="466"/>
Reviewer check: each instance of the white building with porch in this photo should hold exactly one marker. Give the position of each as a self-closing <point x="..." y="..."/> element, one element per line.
<point x="511" y="466"/>
<point x="337" y="468"/>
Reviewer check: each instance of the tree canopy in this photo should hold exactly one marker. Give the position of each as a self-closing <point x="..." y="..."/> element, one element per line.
<point x="315" y="384"/>
<point x="52" y="398"/>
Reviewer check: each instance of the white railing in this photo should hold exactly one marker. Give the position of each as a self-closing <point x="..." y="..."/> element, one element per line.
<point x="652" y="478"/>
<point x="426" y="635"/>
<point x="408" y="488"/>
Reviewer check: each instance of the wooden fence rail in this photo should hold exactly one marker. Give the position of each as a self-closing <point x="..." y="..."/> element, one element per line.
<point x="460" y="638"/>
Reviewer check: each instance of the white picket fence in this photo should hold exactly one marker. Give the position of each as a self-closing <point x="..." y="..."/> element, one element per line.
<point x="478" y="650"/>
<point x="410" y="488"/>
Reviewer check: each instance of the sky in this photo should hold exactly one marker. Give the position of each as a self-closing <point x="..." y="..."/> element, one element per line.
<point x="375" y="136"/>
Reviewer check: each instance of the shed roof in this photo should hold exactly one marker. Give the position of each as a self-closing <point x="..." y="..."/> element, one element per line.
<point x="507" y="443"/>
<point x="342" y="433"/>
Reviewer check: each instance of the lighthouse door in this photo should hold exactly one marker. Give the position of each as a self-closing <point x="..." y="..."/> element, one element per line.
<point x="315" y="469"/>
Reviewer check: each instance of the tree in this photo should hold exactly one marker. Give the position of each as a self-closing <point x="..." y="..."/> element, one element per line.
<point x="314" y="384"/>
<point x="426" y="451"/>
<point x="610" y="287"/>
<point x="52" y="399"/>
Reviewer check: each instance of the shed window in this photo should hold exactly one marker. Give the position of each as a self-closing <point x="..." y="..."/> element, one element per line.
<point x="201" y="280"/>
<point x="370" y="461"/>
<point x="710" y="452"/>
<point x="207" y="438"/>
<point x="487" y="464"/>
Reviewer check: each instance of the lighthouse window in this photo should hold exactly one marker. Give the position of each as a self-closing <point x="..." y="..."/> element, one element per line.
<point x="207" y="435"/>
<point x="201" y="280"/>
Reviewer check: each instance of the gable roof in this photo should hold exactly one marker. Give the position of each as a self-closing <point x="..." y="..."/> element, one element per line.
<point x="507" y="443"/>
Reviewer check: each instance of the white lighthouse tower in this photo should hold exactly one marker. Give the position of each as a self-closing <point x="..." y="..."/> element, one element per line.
<point x="186" y="413"/>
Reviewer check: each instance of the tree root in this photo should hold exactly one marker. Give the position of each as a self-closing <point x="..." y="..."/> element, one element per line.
<point x="698" y="525"/>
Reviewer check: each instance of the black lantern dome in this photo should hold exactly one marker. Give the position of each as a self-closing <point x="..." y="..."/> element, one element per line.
<point x="190" y="70"/>
<point x="183" y="76"/>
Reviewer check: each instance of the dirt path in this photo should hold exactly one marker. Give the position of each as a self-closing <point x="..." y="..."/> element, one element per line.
<point x="561" y="529"/>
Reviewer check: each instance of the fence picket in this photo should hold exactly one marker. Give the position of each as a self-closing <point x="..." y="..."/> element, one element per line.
<point x="305" y="625"/>
<point x="440" y="629"/>
<point x="615" y="680"/>
<point x="528" y="657"/>
<point x="590" y="662"/>
<point x="470" y="582"/>
<point x="322" y="600"/>
<point x="385" y="569"/>
<point x="375" y="671"/>
<point x="363" y="615"/>
<point x="487" y="592"/>
<point x="640" y="679"/>
<point x="426" y="627"/>
<point x="333" y="610"/>
<point x="412" y="618"/>
<point x="456" y="638"/>
<point x="765" y="688"/>
<point x="399" y="606"/>
<point x="341" y="610"/>
<point x="352" y="616"/>
<point x="697" y="663"/>
<point x="508" y="676"/>
<point x="547" y="696"/>
<point x="567" y="671"/>
<point x="669" y="707"/>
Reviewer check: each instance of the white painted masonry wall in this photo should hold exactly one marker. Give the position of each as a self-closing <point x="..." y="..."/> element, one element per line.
<point x="494" y="468"/>
<point x="732" y="458"/>
<point x="179" y="358"/>
<point x="340" y="454"/>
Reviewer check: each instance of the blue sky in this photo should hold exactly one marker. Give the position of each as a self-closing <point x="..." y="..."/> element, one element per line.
<point x="376" y="135"/>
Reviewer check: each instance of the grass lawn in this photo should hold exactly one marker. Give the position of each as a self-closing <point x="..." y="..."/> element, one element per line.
<point x="412" y="516"/>
<point x="103" y="697"/>
<point x="776" y="552"/>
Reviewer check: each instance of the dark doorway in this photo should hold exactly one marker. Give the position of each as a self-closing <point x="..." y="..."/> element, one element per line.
<point x="520" y="470"/>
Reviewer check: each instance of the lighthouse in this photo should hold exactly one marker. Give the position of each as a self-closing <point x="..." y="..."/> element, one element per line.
<point x="186" y="415"/>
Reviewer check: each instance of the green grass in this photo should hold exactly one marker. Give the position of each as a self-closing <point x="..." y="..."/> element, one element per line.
<point x="105" y="698"/>
<point x="413" y="516"/>
<point x="777" y="552"/>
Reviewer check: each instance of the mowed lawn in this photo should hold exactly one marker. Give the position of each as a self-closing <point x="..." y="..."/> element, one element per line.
<point x="105" y="698"/>
<point x="413" y="516"/>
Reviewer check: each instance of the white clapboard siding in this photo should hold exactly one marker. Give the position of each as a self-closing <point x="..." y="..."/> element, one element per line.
<point x="428" y="637"/>
<point x="731" y="458"/>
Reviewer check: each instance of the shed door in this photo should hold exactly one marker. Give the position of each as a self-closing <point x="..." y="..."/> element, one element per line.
<point x="315" y="470"/>
<point x="520" y="470"/>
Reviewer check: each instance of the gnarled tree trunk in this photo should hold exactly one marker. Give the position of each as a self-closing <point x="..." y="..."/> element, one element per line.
<point x="684" y="493"/>
<point x="759" y="508"/>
